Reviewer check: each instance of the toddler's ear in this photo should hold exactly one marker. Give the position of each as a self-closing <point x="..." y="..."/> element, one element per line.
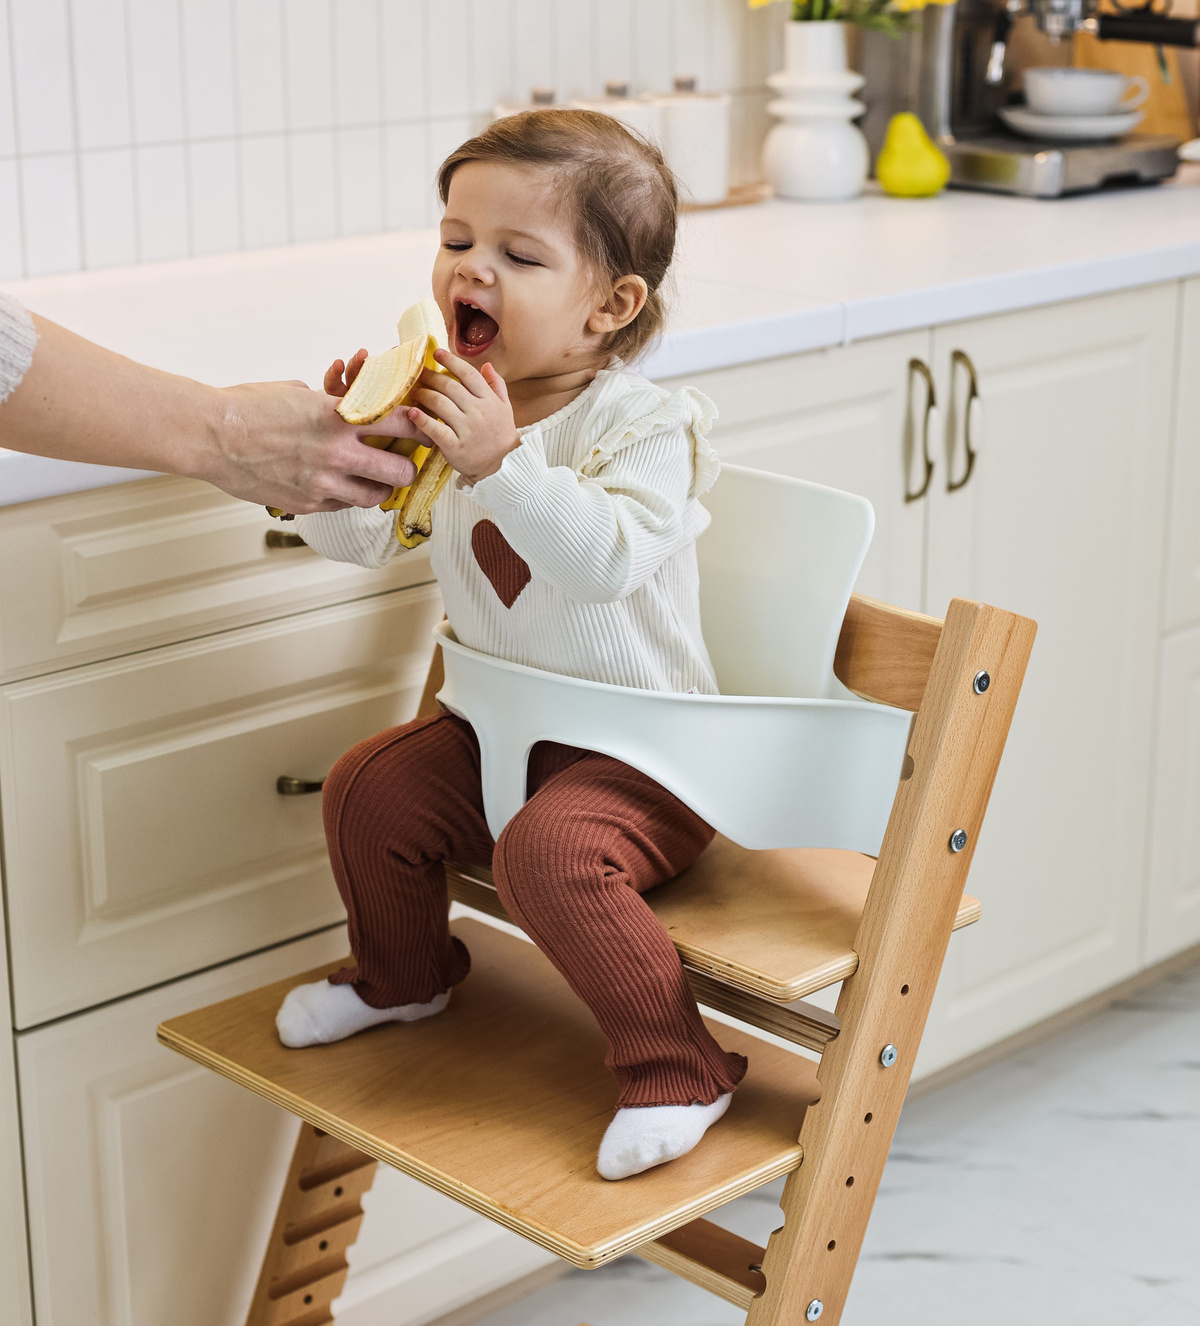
<point x="625" y="301"/>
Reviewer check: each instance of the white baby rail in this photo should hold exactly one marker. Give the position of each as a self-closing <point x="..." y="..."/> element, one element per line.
<point x="781" y="760"/>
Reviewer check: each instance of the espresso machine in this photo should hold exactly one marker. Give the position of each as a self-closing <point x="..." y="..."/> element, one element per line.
<point x="953" y="71"/>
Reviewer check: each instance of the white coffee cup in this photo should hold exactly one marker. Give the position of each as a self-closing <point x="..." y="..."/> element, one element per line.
<point x="1051" y="90"/>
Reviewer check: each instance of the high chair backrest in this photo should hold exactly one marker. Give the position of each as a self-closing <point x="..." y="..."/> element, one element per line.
<point x="777" y="566"/>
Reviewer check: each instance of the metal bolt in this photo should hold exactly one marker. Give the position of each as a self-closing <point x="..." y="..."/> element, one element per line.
<point x="982" y="681"/>
<point x="888" y="1055"/>
<point x="958" y="840"/>
<point x="814" y="1310"/>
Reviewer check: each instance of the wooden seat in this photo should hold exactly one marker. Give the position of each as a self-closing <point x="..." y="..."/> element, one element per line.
<point x="776" y="925"/>
<point x="501" y="1101"/>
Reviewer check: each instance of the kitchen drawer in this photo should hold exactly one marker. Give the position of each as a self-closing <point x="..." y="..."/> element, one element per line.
<point x="143" y="833"/>
<point x="93" y="575"/>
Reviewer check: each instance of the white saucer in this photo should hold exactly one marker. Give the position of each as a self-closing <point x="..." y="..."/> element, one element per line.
<point x="1071" y="128"/>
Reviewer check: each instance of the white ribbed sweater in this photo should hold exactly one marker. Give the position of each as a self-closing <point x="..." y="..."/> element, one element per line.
<point x="600" y="499"/>
<point x="17" y="342"/>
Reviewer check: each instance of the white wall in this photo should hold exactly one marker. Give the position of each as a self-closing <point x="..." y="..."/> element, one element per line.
<point x="135" y="130"/>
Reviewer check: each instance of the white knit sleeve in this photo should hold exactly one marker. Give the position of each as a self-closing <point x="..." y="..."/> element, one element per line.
<point x="364" y="535"/>
<point x="599" y="537"/>
<point x="17" y="342"/>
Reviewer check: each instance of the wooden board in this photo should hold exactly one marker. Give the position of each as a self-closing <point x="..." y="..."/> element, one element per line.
<point x="779" y="924"/>
<point x="501" y="1102"/>
<point x="1166" y="110"/>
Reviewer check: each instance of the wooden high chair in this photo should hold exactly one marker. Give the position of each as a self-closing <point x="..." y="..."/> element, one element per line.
<point x="501" y="1101"/>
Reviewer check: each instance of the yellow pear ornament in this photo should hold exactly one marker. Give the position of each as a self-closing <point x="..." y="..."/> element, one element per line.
<point x="909" y="164"/>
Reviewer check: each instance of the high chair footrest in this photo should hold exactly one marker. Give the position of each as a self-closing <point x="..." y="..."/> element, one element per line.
<point x="500" y="1102"/>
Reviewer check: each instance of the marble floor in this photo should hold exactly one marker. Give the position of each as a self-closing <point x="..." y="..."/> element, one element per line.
<point x="1061" y="1186"/>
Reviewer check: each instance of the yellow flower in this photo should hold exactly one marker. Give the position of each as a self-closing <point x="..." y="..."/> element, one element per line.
<point x="762" y="4"/>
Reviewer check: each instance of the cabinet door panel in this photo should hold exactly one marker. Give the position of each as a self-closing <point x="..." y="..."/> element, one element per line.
<point x="93" y="575"/>
<point x="838" y="417"/>
<point x="1173" y="904"/>
<point x="1062" y="520"/>
<point x="1182" y="605"/>
<point x="143" y="833"/>
<point x="153" y="1182"/>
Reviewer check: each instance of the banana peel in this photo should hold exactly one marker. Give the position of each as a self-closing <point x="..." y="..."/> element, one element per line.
<point x="385" y="382"/>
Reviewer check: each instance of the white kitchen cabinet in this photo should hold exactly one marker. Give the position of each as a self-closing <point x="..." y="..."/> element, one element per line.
<point x="16" y="1305"/>
<point x="153" y="1182"/>
<point x="93" y="575"/>
<point x="851" y="418"/>
<point x="1173" y="896"/>
<point x="1063" y="520"/>
<point x="1182" y="605"/>
<point x="143" y="833"/>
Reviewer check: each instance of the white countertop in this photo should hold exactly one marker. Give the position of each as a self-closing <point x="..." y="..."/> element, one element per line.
<point x="751" y="283"/>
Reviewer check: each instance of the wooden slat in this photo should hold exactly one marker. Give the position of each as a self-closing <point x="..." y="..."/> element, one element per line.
<point x="709" y="1256"/>
<point x="915" y="897"/>
<point x="319" y="1215"/>
<point x="501" y="1101"/>
<point x="884" y="653"/>
<point x="778" y="925"/>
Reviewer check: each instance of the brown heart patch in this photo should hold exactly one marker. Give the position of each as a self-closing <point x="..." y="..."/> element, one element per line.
<point x="500" y="562"/>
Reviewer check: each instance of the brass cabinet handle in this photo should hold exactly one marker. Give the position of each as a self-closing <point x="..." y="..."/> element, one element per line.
<point x="972" y="418"/>
<point x="287" y="786"/>
<point x="928" y="425"/>
<point x="280" y="538"/>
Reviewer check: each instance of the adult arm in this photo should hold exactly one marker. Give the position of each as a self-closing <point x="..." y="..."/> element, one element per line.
<point x="275" y="443"/>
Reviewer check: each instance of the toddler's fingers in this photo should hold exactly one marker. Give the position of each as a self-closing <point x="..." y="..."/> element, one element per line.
<point x="353" y="367"/>
<point x="433" y="429"/>
<point x="442" y="407"/>
<point x="333" y="379"/>
<point x="496" y="382"/>
<point x="466" y="373"/>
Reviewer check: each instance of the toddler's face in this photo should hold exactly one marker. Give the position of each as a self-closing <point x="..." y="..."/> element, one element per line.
<point x="511" y="284"/>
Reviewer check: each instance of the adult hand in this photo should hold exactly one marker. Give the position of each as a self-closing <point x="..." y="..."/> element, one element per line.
<point x="274" y="443"/>
<point x="285" y="446"/>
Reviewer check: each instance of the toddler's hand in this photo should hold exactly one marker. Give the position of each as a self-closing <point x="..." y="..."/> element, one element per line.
<point x="335" y="384"/>
<point x="474" y="424"/>
<point x="339" y="377"/>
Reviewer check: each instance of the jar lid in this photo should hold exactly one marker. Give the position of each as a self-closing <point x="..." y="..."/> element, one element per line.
<point x="617" y="87"/>
<point x="685" y="82"/>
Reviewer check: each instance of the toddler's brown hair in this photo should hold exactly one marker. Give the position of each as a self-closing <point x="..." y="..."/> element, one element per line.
<point x="617" y="189"/>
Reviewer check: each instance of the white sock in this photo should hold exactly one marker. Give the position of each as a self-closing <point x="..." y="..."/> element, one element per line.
<point x="644" y="1136"/>
<point x="319" y="1013"/>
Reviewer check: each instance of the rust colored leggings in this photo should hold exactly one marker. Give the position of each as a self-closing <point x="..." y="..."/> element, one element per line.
<point x="570" y="868"/>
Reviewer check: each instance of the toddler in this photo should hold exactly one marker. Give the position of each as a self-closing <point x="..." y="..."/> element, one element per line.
<point x="566" y="543"/>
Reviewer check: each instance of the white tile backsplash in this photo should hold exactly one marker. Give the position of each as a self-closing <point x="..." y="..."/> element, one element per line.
<point x="41" y="66"/>
<point x="161" y="193"/>
<point x="107" y="202"/>
<point x="50" y="202"/>
<point x="8" y="126"/>
<point x="360" y="179"/>
<point x="156" y="70"/>
<point x="212" y="189"/>
<point x="357" y="62"/>
<point x="312" y="179"/>
<point x="12" y="260"/>
<point x="308" y="64"/>
<point x="149" y="129"/>
<point x="258" y="65"/>
<point x="99" y="54"/>
<point x="207" y="45"/>
<point x="263" y="176"/>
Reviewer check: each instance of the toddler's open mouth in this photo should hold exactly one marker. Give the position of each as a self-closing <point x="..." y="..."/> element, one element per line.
<point x="474" y="330"/>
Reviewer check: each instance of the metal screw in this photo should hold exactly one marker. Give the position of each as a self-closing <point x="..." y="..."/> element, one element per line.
<point x="958" y="840"/>
<point x="888" y="1055"/>
<point x="982" y="681"/>
<point x="814" y="1310"/>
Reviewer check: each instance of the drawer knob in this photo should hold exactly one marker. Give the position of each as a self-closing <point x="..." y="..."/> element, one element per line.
<point x="287" y="786"/>
<point x="280" y="538"/>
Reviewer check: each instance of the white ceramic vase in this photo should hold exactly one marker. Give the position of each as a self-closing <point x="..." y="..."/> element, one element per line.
<point x="814" y="153"/>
